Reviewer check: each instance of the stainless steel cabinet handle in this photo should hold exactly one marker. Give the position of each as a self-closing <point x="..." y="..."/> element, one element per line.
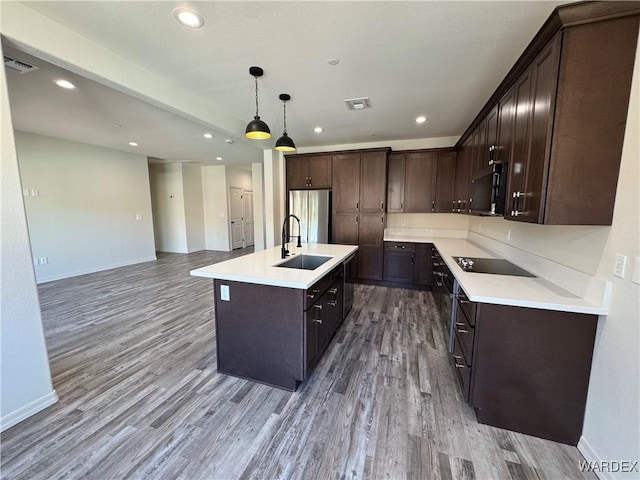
<point x="382" y="206"/>
<point x="462" y="331"/>
<point x="457" y="357"/>
<point x="333" y="303"/>
<point x="462" y="300"/>
<point x="401" y="205"/>
<point x="318" y="306"/>
<point x="460" y="366"/>
<point x="460" y="324"/>
<point x="357" y="205"/>
<point x="318" y="320"/>
<point x="333" y="290"/>
<point x="382" y="219"/>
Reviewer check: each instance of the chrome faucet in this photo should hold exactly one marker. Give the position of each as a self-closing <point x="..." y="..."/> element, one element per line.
<point x="284" y="253"/>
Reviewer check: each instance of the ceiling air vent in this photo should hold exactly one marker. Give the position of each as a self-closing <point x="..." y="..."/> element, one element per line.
<point x="17" y="65"/>
<point x="358" y="103"/>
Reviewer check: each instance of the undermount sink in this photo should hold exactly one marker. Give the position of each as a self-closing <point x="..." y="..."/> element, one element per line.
<point x="305" y="262"/>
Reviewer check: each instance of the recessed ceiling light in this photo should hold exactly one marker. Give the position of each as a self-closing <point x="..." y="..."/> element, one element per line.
<point x="318" y="129"/>
<point x="421" y="119"/>
<point x="208" y="135"/>
<point x="334" y="61"/>
<point x="218" y="158"/>
<point x="133" y="144"/>
<point x="188" y="18"/>
<point x="65" y="84"/>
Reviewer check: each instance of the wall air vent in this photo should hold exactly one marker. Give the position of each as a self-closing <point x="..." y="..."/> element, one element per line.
<point x="358" y="103"/>
<point x="17" y="65"/>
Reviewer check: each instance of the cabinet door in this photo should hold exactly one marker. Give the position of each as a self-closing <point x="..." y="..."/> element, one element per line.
<point x="320" y="171"/>
<point x="462" y="186"/>
<point x="420" y="182"/>
<point x="505" y="128"/>
<point x="373" y="181"/>
<point x="323" y="323"/>
<point x="445" y="175"/>
<point x="398" y="266"/>
<point x="370" y="253"/>
<point x="312" y="354"/>
<point x="345" y="182"/>
<point x="297" y="172"/>
<point x="345" y="228"/>
<point x="491" y="143"/>
<point x="480" y="149"/>
<point x="521" y="122"/>
<point x="335" y="305"/>
<point x="395" y="183"/>
<point x="544" y="75"/>
<point x="423" y="264"/>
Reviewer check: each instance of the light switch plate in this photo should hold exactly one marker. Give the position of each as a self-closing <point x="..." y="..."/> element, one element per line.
<point x="224" y="292"/>
<point x="619" y="265"/>
<point x="635" y="276"/>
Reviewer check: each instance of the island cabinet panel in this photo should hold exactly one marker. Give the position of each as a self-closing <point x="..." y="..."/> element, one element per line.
<point x="261" y="340"/>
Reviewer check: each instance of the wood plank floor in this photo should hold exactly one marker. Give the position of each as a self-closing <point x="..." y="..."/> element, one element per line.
<point x="132" y="353"/>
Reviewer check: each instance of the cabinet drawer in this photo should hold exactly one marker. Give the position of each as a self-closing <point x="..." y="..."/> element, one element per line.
<point x="400" y="246"/>
<point x="468" y="307"/>
<point x="465" y="333"/>
<point x="463" y="372"/>
<point x="317" y="289"/>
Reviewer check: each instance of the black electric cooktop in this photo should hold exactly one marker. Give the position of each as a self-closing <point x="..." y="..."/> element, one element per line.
<point x="494" y="266"/>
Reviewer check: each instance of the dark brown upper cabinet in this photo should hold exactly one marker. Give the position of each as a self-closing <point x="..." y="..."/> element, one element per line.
<point x="308" y="171"/>
<point x="559" y="116"/>
<point x="462" y="180"/>
<point x="421" y="181"/>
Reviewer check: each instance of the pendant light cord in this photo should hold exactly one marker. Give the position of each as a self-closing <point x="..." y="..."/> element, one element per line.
<point x="256" y="78"/>
<point x="285" y="116"/>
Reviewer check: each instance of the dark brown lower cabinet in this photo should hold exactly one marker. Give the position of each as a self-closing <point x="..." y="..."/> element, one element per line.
<point x="407" y="263"/>
<point x="279" y="339"/>
<point x="525" y="369"/>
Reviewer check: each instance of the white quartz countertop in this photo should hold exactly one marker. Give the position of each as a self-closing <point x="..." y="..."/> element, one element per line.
<point x="500" y="289"/>
<point x="262" y="267"/>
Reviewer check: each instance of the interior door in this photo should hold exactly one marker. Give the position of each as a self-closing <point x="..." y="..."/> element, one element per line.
<point x="247" y="217"/>
<point x="235" y="217"/>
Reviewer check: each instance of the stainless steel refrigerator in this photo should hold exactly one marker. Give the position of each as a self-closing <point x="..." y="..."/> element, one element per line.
<point x="313" y="208"/>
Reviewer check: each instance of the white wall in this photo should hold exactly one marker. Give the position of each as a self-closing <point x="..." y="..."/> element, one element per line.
<point x="214" y="193"/>
<point x="612" y="420"/>
<point x="84" y="216"/>
<point x="25" y="378"/>
<point x="258" y="206"/>
<point x="193" y="207"/>
<point x="239" y="178"/>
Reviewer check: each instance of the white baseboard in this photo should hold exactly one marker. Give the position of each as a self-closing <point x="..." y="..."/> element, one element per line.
<point x="101" y="268"/>
<point x="590" y="455"/>
<point x="27" y="410"/>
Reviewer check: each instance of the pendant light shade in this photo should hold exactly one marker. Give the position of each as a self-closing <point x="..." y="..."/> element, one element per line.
<point x="257" y="129"/>
<point x="284" y="143"/>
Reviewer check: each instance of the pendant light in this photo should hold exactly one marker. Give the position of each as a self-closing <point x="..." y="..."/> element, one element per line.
<point x="284" y="143"/>
<point x="257" y="129"/>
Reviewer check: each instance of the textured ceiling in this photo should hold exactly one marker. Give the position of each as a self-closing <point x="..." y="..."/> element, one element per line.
<point x="440" y="59"/>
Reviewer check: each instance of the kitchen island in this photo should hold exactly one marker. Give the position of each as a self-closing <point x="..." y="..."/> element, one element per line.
<point x="275" y="317"/>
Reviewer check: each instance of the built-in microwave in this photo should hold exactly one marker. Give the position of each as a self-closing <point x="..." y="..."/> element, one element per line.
<point x="489" y="189"/>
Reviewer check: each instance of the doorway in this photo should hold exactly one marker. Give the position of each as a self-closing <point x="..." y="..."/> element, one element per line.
<point x="240" y="217"/>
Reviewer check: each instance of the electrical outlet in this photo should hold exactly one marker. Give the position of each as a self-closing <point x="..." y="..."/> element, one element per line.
<point x="619" y="265"/>
<point x="34" y="192"/>
<point x="138" y="216"/>
<point x="224" y="292"/>
<point x="635" y="276"/>
<point x="44" y="260"/>
<point x="25" y="192"/>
